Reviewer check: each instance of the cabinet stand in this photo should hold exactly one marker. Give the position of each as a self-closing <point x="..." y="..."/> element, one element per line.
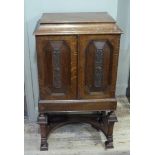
<point x="103" y="121"/>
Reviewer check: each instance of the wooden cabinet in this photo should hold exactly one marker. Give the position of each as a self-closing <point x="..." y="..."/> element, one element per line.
<point x="77" y="68"/>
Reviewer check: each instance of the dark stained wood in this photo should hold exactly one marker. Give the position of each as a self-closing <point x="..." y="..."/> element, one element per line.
<point x="101" y="121"/>
<point x="42" y="120"/>
<point x="111" y="119"/>
<point x="79" y="106"/>
<point x="86" y="66"/>
<point x="68" y="67"/>
<point x="77" y="57"/>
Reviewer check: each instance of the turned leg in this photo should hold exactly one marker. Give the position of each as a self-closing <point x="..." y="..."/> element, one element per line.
<point x="111" y="119"/>
<point x="42" y="120"/>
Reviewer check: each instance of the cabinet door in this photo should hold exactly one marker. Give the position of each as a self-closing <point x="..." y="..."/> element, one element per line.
<point x="97" y="63"/>
<point x="57" y="66"/>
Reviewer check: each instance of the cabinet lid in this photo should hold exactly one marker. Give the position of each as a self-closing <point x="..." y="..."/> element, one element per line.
<point x="76" y="23"/>
<point x="81" y="17"/>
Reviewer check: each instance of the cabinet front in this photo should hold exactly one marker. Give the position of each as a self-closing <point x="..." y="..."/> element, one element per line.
<point x="57" y="67"/>
<point x="98" y="56"/>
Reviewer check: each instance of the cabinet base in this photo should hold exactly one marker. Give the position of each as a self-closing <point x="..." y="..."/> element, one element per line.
<point x="103" y="121"/>
<point x="44" y="147"/>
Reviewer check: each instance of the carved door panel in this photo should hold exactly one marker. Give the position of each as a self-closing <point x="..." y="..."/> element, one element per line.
<point x="57" y="56"/>
<point x="98" y="57"/>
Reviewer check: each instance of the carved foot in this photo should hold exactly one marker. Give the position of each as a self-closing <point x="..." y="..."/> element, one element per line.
<point x="44" y="146"/>
<point x="109" y="144"/>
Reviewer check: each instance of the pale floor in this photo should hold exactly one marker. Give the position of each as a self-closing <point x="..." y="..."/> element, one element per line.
<point x="82" y="139"/>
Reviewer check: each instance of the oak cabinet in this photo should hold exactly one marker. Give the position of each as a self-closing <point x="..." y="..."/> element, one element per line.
<point x="77" y="57"/>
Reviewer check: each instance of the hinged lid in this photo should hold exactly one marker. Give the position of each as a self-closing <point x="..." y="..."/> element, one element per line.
<point x="87" y="17"/>
<point x="76" y="23"/>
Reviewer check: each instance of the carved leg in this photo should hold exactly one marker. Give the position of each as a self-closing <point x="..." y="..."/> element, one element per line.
<point x="99" y="120"/>
<point x="111" y="119"/>
<point x="42" y="120"/>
